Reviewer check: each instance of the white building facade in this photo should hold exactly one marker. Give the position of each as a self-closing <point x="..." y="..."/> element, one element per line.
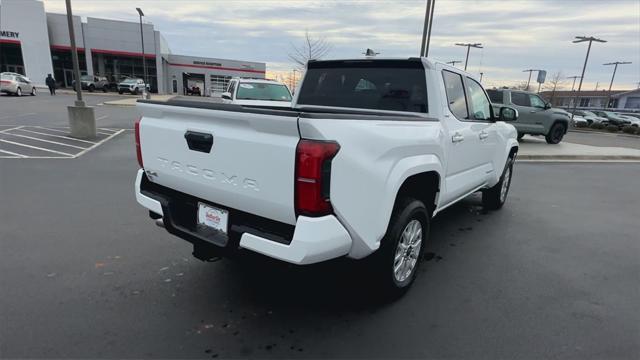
<point x="36" y="43"/>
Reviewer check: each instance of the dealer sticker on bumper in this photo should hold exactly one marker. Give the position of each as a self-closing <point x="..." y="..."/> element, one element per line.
<point x="213" y="217"/>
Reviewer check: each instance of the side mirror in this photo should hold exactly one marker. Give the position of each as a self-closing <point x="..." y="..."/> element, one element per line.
<point x="547" y="106"/>
<point x="226" y="95"/>
<point x="508" y="114"/>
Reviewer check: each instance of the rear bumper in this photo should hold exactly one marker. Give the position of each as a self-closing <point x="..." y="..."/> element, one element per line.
<point x="310" y="241"/>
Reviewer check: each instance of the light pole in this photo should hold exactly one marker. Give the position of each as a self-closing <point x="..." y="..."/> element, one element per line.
<point x="145" y="94"/>
<point x="530" y="71"/>
<point x="454" y="62"/>
<point x="82" y="120"/>
<point x="613" y="76"/>
<point x="469" y="46"/>
<point x="574" y="81"/>
<point x="293" y="88"/>
<point x="481" y="75"/>
<point x="580" y="39"/>
<point x="426" y="31"/>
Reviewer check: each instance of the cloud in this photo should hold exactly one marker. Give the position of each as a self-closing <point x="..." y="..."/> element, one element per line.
<point x="517" y="34"/>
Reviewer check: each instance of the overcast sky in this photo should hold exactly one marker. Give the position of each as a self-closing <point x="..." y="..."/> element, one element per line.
<point x="516" y="34"/>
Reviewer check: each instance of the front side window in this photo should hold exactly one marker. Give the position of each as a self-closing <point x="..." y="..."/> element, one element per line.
<point x="479" y="101"/>
<point x="520" y="99"/>
<point x="536" y="101"/>
<point x="263" y="91"/>
<point x="495" y="96"/>
<point x="456" y="98"/>
<point x="368" y="84"/>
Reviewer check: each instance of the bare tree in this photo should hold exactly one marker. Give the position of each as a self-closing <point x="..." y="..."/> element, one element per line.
<point x="312" y="49"/>
<point x="557" y="81"/>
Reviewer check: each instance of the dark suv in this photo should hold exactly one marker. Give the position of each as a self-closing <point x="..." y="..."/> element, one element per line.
<point x="537" y="117"/>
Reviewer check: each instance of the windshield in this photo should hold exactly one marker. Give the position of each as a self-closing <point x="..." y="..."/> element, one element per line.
<point x="86" y="78"/>
<point x="129" y="81"/>
<point x="263" y="91"/>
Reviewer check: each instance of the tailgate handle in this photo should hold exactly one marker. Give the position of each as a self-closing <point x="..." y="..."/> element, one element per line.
<point x="199" y="141"/>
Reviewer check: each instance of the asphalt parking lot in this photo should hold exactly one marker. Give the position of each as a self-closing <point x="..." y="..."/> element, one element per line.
<point x="84" y="273"/>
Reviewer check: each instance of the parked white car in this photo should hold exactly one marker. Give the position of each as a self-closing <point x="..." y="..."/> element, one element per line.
<point x="368" y="154"/>
<point x="132" y="86"/>
<point x="257" y="92"/>
<point x="15" y="84"/>
<point x="634" y="120"/>
<point x="580" y="120"/>
<point x="590" y="117"/>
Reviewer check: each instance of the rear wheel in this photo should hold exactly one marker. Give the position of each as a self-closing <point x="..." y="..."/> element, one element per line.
<point x="19" y="92"/>
<point x="104" y="88"/>
<point x="495" y="197"/>
<point x="556" y="133"/>
<point x="33" y="91"/>
<point x="120" y="92"/>
<point x="397" y="261"/>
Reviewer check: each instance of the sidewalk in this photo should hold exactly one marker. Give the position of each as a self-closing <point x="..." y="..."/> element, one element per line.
<point x="532" y="148"/>
<point x="131" y="101"/>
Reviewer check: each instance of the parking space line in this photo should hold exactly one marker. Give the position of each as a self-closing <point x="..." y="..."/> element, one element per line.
<point x="12" y="153"/>
<point x="43" y="140"/>
<point x="13" y="128"/>
<point x="59" y="136"/>
<point x="99" y="143"/>
<point x="37" y="148"/>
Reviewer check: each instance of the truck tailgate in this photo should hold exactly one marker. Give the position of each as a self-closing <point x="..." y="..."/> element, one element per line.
<point x="250" y="164"/>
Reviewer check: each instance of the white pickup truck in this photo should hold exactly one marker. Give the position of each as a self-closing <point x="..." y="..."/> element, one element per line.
<point x="369" y="151"/>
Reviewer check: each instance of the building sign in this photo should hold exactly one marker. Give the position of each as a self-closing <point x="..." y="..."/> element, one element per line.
<point x="9" y="34"/>
<point x="206" y="63"/>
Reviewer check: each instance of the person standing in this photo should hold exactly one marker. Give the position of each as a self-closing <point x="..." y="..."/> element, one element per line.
<point x="51" y="83"/>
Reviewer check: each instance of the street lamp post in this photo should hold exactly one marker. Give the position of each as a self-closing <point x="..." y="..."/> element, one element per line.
<point x="580" y="39"/>
<point x="82" y="121"/>
<point x="530" y="71"/>
<point x="574" y="81"/>
<point x="426" y="31"/>
<point x="145" y="94"/>
<point x="613" y="76"/>
<point x="469" y="46"/>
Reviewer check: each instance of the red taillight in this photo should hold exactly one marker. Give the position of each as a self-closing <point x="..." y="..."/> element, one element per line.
<point x="6" y="81"/>
<point x="313" y="176"/>
<point x="138" y="148"/>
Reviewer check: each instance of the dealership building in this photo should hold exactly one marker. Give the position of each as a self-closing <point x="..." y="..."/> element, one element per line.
<point x="36" y="43"/>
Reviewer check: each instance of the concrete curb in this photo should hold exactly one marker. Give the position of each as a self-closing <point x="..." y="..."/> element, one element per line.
<point x="133" y="101"/>
<point x="580" y="157"/>
<point x="606" y="133"/>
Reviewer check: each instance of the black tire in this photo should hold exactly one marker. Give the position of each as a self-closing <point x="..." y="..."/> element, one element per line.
<point x="492" y="198"/>
<point x="120" y="92"/>
<point x="385" y="259"/>
<point x="33" y="91"/>
<point x="92" y="88"/>
<point x="135" y="91"/>
<point x="556" y="133"/>
<point x="18" y="92"/>
<point x="520" y="136"/>
<point x="104" y="89"/>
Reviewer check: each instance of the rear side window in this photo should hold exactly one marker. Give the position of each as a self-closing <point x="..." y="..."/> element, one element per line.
<point x="369" y="84"/>
<point x="495" y="96"/>
<point x="520" y="99"/>
<point x="455" y="94"/>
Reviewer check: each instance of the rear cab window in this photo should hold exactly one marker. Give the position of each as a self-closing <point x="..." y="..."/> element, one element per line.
<point x="393" y="85"/>
<point x="520" y="99"/>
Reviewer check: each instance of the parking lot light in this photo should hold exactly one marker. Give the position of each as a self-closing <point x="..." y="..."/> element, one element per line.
<point x="469" y="46"/>
<point x="580" y="39"/>
<point x="612" y="77"/>
<point x="145" y="93"/>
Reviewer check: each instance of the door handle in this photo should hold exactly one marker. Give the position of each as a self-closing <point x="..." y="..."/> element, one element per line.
<point x="483" y="135"/>
<point x="457" y="137"/>
<point x="198" y="141"/>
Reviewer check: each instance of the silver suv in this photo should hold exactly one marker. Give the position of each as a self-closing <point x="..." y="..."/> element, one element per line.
<point x="537" y="117"/>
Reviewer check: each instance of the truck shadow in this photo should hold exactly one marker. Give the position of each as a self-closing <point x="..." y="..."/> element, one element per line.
<point x="339" y="285"/>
